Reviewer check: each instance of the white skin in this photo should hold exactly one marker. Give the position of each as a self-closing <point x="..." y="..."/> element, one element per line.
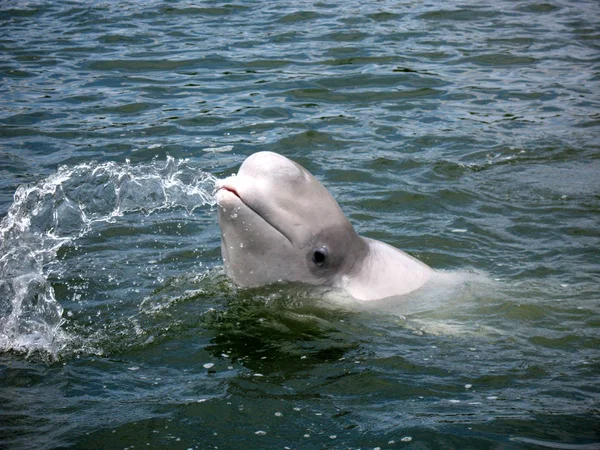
<point x="278" y="223"/>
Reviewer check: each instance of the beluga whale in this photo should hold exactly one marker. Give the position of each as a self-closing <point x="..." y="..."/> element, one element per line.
<point x="279" y="223"/>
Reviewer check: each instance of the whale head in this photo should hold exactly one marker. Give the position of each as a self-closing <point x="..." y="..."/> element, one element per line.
<point x="279" y="223"/>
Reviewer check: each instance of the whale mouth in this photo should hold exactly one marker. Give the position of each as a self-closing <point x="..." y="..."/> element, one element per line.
<point x="224" y="186"/>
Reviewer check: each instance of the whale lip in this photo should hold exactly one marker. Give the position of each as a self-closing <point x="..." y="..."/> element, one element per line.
<point x="227" y="185"/>
<point x="228" y="194"/>
<point x="226" y="188"/>
<point x="229" y="189"/>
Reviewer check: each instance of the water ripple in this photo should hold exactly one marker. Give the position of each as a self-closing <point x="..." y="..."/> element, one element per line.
<point x="465" y="133"/>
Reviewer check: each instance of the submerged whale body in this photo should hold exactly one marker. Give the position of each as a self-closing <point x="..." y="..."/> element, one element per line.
<point x="279" y="223"/>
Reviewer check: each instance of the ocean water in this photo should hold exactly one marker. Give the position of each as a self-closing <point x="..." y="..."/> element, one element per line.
<point x="465" y="133"/>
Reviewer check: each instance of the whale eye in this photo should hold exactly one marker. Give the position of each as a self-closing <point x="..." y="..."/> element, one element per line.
<point x="319" y="256"/>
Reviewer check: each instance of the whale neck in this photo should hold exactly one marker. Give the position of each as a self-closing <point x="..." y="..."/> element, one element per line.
<point x="385" y="272"/>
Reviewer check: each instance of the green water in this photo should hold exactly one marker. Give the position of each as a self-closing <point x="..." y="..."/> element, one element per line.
<point x="463" y="133"/>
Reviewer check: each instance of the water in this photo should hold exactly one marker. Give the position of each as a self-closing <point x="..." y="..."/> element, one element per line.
<point x="463" y="133"/>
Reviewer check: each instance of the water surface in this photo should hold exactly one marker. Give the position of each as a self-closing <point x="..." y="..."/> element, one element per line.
<point x="465" y="133"/>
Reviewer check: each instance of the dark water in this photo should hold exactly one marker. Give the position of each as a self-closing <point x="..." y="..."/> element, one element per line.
<point x="464" y="133"/>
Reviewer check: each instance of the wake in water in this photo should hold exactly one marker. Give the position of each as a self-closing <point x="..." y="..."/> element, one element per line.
<point x="63" y="208"/>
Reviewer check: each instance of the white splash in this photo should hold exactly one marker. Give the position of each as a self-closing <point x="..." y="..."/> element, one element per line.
<point x="61" y="208"/>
